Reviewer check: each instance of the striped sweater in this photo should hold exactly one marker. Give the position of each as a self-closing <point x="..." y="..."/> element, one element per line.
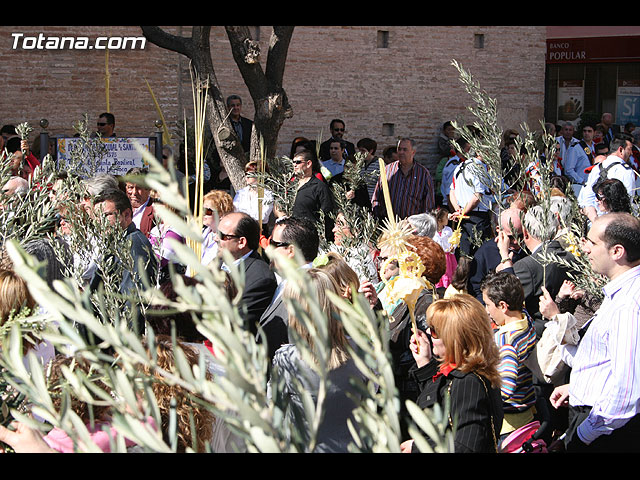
<point x="516" y="340"/>
<point x="410" y="194"/>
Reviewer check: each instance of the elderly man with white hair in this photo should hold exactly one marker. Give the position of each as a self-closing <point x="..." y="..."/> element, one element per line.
<point x="16" y="185"/>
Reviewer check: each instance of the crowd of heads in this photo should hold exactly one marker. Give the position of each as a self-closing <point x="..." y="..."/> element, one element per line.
<point x="460" y="327"/>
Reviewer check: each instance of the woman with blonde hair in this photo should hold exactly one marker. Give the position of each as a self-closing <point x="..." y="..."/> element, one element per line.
<point x="457" y="360"/>
<point x="346" y="278"/>
<point x="14" y="295"/>
<point x="216" y="203"/>
<point x="343" y="395"/>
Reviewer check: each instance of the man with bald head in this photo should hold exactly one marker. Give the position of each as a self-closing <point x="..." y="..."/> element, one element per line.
<point x="487" y="257"/>
<point x="239" y="234"/>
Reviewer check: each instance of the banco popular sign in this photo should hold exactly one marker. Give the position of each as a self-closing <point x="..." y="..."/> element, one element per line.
<point x="593" y="49"/>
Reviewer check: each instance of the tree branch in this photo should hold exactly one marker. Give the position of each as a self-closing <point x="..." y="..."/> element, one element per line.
<point x="162" y="39"/>
<point x="277" y="56"/>
<point x="244" y="54"/>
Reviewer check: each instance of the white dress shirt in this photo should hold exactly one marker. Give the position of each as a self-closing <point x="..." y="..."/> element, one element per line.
<point x="605" y="371"/>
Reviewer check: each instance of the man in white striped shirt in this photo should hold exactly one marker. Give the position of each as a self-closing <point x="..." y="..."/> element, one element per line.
<point x="603" y="393"/>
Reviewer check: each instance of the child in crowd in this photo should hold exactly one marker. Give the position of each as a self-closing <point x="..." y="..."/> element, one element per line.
<point x="391" y="270"/>
<point x="460" y="278"/>
<point x="515" y="336"/>
<point x="441" y="237"/>
<point x="96" y="417"/>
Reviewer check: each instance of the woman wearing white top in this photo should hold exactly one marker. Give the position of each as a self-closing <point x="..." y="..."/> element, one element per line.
<point x="246" y="199"/>
<point x="216" y="202"/>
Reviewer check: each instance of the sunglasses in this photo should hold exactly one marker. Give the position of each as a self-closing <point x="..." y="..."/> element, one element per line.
<point x="432" y="332"/>
<point x="226" y="236"/>
<point x="208" y="211"/>
<point x="276" y="244"/>
<point x="338" y="129"/>
<point x="298" y="162"/>
<point x="102" y="124"/>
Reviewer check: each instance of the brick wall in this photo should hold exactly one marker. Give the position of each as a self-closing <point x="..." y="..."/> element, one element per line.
<point x="331" y="72"/>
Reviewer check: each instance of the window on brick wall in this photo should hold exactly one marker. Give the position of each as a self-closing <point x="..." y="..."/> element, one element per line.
<point x="388" y="129"/>
<point x="478" y="40"/>
<point x="383" y="39"/>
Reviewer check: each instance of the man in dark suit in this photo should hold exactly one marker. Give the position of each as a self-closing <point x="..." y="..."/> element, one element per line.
<point x="290" y="235"/>
<point x="239" y="233"/>
<point x="336" y="127"/>
<point x="487" y="257"/>
<point x="241" y="125"/>
<point x="539" y="269"/>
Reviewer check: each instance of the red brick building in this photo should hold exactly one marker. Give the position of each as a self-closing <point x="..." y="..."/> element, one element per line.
<point x="385" y="82"/>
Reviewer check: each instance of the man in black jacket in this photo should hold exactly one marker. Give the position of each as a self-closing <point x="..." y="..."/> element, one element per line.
<point x="336" y="127"/>
<point x="241" y="125"/>
<point x="290" y="235"/>
<point x="239" y="233"/>
<point x="487" y="257"/>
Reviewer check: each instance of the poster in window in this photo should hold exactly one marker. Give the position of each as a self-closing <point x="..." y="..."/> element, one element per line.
<point x="628" y="102"/>
<point x="570" y="101"/>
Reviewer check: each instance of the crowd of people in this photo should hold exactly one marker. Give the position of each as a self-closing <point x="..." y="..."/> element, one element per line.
<point x="504" y="305"/>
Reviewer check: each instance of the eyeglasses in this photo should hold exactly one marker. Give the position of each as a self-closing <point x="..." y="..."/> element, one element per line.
<point x="226" y="236"/>
<point x="277" y="244"/>
<point x="298" y="162"/>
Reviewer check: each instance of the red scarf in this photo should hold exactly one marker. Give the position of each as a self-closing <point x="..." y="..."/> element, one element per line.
<point x="445" y="370"/>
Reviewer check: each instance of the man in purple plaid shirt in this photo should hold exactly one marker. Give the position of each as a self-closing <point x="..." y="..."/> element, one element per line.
<point x="410" y="185"/>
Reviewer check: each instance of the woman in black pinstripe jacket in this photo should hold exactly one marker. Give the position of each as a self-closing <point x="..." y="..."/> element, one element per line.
<point x="457" y="358"/>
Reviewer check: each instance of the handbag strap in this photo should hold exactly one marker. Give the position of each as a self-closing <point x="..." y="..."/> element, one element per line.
<point x="493" y="428"/>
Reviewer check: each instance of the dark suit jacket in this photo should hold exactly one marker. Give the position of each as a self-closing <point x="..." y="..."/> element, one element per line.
<point x="247" y="126"/>
<point x="323" y="154"/>
<point x="274" y="323"/>
<point x="533" y="275"/>
<point x="485" y="260"/>
<point x="260" y="285"/>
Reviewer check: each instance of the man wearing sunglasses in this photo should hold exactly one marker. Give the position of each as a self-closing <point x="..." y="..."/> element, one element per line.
<point x="239" y="234"/>
<point x="337" y="129"/>
<point x="106" y="125"/>
<point x="290" y="235"/>
<point x="313" y="194"/>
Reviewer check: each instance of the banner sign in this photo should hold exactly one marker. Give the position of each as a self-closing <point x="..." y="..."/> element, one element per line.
<point x="120" y="154"/>
<point x="593" y="49"/>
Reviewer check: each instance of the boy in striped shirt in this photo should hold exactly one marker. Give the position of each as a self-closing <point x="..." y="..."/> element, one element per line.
<point x="515" y="336"/>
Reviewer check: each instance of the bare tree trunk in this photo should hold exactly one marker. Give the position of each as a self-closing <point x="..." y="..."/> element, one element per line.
<point x="265" y="88"/>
